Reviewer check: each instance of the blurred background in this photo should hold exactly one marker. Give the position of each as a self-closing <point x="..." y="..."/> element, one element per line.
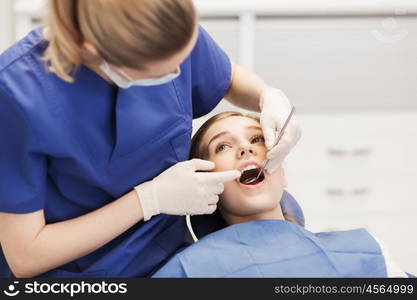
<point x="350" y="68"/>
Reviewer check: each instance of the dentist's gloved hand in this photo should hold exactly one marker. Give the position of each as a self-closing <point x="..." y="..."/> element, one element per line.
<point x="180" y="190"/>
<point x="275" y="108"/>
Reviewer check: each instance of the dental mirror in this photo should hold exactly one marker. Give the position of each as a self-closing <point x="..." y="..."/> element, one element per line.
<point x="281" y="133"/>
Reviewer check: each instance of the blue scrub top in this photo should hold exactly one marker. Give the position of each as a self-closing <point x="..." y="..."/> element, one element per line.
<point x="69" y="149"/>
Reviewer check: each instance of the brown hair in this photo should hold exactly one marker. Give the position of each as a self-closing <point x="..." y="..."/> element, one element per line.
<point x="125" y="33"/>
<point x="196" y="150"/>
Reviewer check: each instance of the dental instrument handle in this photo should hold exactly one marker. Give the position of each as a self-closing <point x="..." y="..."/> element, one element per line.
<point x="281" y="133"/>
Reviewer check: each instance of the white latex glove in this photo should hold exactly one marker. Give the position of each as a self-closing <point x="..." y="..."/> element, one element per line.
<point x="275" y="108"/>
<point x="180" y="190"/>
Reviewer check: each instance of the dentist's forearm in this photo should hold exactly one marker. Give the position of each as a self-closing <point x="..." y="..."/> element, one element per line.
<point x="62" y="242"/>
<point x="246" y="88"/>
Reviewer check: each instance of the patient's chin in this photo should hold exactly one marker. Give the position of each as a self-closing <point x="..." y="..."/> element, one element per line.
<point x="248" y="205"/>
<point x="243" y="201"/>
<point x="251" y="212"/>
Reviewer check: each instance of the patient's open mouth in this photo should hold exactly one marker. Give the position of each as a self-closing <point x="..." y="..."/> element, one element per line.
<point x="248" y="176"/>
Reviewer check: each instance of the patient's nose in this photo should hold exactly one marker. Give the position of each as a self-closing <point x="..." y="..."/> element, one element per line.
<point x="246" y="151"/>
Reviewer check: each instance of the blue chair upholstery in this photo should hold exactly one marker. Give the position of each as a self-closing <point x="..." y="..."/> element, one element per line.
<point x="205" y="224"/>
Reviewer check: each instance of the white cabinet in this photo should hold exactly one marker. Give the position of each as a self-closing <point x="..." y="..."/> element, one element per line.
<point x="6" y="24"/>
<point x="340" y="64"/>
<point x="359" y="170"/>
<point x="28" y="14"/>
<point x="226" y="31"/>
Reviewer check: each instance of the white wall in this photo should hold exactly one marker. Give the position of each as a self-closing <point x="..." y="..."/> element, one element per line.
<point x="6" y="24"/>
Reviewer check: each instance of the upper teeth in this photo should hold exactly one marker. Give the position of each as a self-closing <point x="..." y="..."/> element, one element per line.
<point x="250" y="167"/>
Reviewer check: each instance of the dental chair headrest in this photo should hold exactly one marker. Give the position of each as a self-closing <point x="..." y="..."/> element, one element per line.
<point x="205" y="224"/>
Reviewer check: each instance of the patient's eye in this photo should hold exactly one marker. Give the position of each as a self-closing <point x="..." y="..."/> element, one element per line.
<point x="220" y="147"/>
<point x="258" y="139"/>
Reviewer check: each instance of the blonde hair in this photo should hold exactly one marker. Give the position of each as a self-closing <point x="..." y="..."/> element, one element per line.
<point x="130" y="33"/>
<point x="197" y="150"/>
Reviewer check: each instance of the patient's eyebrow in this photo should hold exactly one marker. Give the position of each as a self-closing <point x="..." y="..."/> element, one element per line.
<point x="227" y="132"/>
<point x="217" y="136"/>
<point x="254" y="127"/>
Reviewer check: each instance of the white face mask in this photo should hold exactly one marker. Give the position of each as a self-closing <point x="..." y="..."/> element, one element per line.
<point x="123" y="80"/>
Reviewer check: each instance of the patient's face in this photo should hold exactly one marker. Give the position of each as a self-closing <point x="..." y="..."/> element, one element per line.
<point x="237" y="143"/>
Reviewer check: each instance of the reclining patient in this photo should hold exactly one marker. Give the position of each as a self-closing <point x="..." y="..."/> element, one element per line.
<point x="259" y="241"/>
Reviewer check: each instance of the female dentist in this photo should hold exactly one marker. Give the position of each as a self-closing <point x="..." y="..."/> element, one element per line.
<point x="96" y="115"/>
